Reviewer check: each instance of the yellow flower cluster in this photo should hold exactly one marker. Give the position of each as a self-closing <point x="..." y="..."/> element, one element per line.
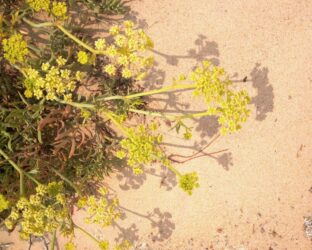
<point x="140" y="147"/>
<point x="82" y="57"/>
<point x="100" y="44"/>
<point x="15" y="48"/>
<point x="38" y="5"/>
<point x="58" y="9"/>
<point x="4" y="203"/>
<point x="104" y="245"/>
<point x="53" y="82"/>
<point x="214" y="85"/>
<point x="211" y="82"/>
<point x="70" y="246"/>
<point x="42" y="213"/>
<point x="233" y="111"/>
<point x="101" y="210"/>
<point x="124" y="53"/>
<point x="188" y="182"/>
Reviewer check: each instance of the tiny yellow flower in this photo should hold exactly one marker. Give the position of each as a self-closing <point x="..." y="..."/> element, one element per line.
<point x="34" y="200"/>
<point x="14" y="215"/>
<point x="68" y="97"/>
<point x="114" y="30"/>
<point x="82" y="202"/>
<point x="104" y="245"/>
<point x="141" y="76"/>
<point x="128" y="24"/>
<point x="82" y="57"/>
<point x="61" y="199"/>
<point x="103" y="191"/>
<point x="38" y="93"/>
<point x="120" y="154"/>
<point x="148" y="62"/>
<point x="126" y="73"/>
<point x="45" y="66"/>
<point x="70" y="246"/>
<point x="60" y="61"/>
<point x="65" y="74"/>
<point x="110" y="69"/>
<point x="187" y="135"/>
<point x="111" y="51"/>
<point x="85" y="113"/>
<point x="153" y="126"/>
<point x="129" y="32"/>
<point x="50" y="96"/>
<point x="123" y="60"/>
<point x="41" y="190"/>
<point x="182" y="77"/>
<point x="100" y="44"/>
<point x="4" y="204"/>
<point x="24" y="235"/>
<point x="22" y="202"/>
<point x="133" y="58"/>
<point x="137" y="170"/>
<point x="79" y="75"/>
<point x="9" y="224"/>
<point x="28" y="93"/>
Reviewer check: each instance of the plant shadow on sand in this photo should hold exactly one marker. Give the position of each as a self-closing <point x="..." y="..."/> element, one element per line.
<point x="128" y="180"/>
<point x="161" y="224"/>
<point x="203" y="49"/>
<point x="264" y="100"/>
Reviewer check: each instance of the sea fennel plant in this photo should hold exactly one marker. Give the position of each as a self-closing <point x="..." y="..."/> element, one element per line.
<point x="57" y="139"/>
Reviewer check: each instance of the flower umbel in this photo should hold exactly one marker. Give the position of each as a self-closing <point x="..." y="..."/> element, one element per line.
<point x="101" y="210"/>
<point x="38" y="5"/>
<point x="4" y="204"/>
<point x="15" y="48"/>
<point x="140" y="147"/>
<point x="42" y="213"/>
<point x="59" y="10"/>
<point x="188" y="182"/>
<point x="125" y="52"/>
<point x="213" y="85"/>
<point x="82" y="57"/>
<point x="54" y="82"/>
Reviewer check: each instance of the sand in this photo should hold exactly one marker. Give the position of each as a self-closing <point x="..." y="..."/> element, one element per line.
<point x="256" y="194"/>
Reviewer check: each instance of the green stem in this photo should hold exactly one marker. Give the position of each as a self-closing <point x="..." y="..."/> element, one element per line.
<point x="74" y="38"/>
<point x="65" y="31"/>
<point x="170" y="116"/>
<point x="19" y="69"/>
<point x="53" y="241"/>
<point x="17" y="168"/>
<point x="22" y="184"/>
<point x="37" y="25"/>
<point x="174" y="170"/>
<point x="112" y="118"/>
<point x="151" y="92"/>
<point x="87" y="233"/>
<point x="67" y="180"/>
<point x="33" y="48"/>
<point x="77" y="104"/>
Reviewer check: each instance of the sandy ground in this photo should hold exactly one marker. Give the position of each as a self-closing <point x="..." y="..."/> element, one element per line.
<point x="254" y="195"/>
